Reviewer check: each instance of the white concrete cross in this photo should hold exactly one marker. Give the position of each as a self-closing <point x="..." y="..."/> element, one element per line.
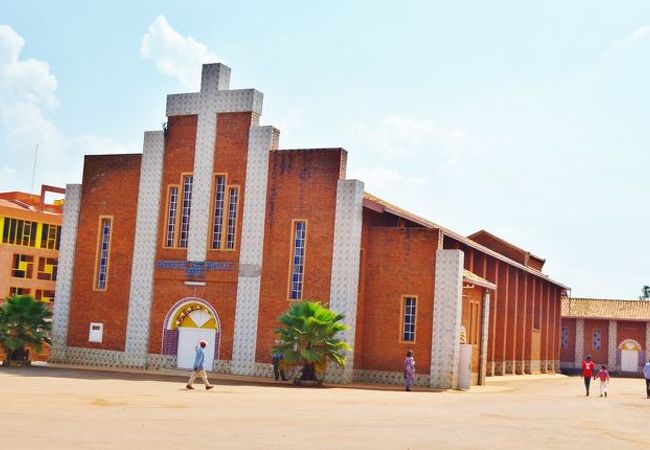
<point x="213" y="98"/>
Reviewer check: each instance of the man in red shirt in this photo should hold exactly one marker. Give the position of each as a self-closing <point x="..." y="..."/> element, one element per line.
<point x="588" y="367"/>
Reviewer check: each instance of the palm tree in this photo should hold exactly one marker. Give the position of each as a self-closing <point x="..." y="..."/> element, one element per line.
<point x="308" y="339"/>
<point x="645" y="293"/>
<point x="24" y="322"/>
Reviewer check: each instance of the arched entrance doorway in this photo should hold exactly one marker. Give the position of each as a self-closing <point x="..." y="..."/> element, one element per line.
<point x="630" y="350"/>
<point x="188" y="322"/>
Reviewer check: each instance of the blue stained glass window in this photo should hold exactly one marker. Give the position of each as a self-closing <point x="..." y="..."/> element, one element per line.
<point x="102" y="269"/>
<point x="298" y="268"/>
<point x="408" y="333"/>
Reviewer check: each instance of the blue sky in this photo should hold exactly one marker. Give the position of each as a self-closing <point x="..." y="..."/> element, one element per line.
<point x="528" y="119"/>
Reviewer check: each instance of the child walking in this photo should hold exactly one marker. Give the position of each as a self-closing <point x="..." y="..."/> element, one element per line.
<point x="603" y="376"/>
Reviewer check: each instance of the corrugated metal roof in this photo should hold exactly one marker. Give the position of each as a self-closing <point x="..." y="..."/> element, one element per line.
<point x="605" y="308"/>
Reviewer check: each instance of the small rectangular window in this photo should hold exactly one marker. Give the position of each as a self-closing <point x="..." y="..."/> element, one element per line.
<point x="232" y="217"/>
<point x="219" y="199"/>
<point x="103" y="253"/>
<point x="172" y="207"/>
<point x="47" y="268"/>
<point x="23" y="266"/>
<point x="408" y="319"/>
<point x="96" y="332"/>
<point x="565" y="337"/>
<point x="185" y="213"/>
<point x="299" y="238"/>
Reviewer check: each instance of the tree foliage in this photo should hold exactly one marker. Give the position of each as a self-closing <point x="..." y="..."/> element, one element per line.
<point x="308" y="338"/>
<point x="24" y="322"/>
<point x="645" y="293"/>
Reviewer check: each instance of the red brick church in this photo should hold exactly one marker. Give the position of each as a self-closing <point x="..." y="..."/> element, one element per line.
<point x="214" y="230"/>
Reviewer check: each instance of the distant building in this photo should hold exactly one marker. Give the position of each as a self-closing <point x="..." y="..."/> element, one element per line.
<point x="30" y="231"/>
<point x="214" y="231"/>
<point x="614" y="332"/>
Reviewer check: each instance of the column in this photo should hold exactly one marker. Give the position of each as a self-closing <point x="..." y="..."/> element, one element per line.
<point x="612" y="345"/>
<point x="261" y="140"/>
<point x="580" y="343"/>
<point x="647" y="341"/>
<point x="345" y="269"/>
<point x="65" y="274"/>
<point x="144" y="250"/>
<point x="447" y="314"/>
<point x="485" y="323"/>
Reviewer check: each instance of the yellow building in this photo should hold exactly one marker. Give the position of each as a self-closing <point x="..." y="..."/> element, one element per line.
<point x="30" y="231"/>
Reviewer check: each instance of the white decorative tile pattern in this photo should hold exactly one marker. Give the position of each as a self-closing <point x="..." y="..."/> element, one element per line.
<point x="260" y="141"/>
<point x="344" y="284"/>
<point x="67" y="247"/>
<point x="447" y="313"/>
<point x="647" y="341"/>
<point x="580" y="342"/>
<point x="144" y="249"/>
<point x="92" y="357"/>
<point x="612" y="345"/>
<point x="485" y="328"/>
<point x="387" y="377"/>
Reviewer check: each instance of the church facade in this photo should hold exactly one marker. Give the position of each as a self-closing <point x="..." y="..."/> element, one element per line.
<point x="214" y="230"/>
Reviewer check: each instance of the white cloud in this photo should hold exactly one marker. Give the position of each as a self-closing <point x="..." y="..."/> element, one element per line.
<point x="174" y="54"/>
<point x="636" y="35"/>
<point x="27" y="95"/>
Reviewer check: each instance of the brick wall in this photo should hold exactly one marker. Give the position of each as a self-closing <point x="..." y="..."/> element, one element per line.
<point x="590" y="326"/>
<point x="110" y="187"/>
<point x="567" y="353"/>
<point x="399" y="261"/>
<point x="631" y="330"/>
<point x="302" y="185"/>
<point x="221" y="289"/>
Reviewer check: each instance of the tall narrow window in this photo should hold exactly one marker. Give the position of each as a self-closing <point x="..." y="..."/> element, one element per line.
<point x="104" y="248"/>
<point x="298" y="259"/>
<point x="565" y="337"/>
<point x="172" y="207"/>
<point x="596" y="340"/>
<point x="233" y="194"/>
<point x="408" y="320"/>
<point x="187" y="205"/>
<point x="219" y="197"/>
<point x="19" y="232"/>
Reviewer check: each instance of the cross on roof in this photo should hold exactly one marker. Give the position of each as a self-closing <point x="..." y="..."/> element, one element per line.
<point x="215" y="97"/>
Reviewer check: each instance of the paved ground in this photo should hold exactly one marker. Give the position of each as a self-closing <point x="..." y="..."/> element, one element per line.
<point x="46" y="407"/>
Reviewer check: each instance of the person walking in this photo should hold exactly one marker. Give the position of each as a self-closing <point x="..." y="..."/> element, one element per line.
<point x="603" y="376"/>
<point x="199" y="370"/>
<point x="646" y="374"/>
<point x="588" y="368"/>
<point x="409" y="370"/>
<point x="277" y="370"/>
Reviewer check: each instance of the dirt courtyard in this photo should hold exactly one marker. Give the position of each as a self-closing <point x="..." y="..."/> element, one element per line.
<point x="45" y="407"/>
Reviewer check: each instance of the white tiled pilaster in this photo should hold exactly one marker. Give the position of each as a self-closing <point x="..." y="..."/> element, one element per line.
<point x="485" y="329"/>
<point x="647" y="341"/>
<point x="144" y="250"/>
<point x="65" y="276"/>
<point x="447" y="314"/>
<point x="261" y="141"/>
<point x="612" y="345"/>
<point x="345" y="269"/>
<point x="580" y="342"/>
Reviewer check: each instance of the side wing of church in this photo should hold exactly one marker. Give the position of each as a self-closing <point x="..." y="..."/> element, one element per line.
<point x="213" y="231"/>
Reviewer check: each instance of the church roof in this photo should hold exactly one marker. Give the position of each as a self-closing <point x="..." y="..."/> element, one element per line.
<point x="472" y="278"/>
<point x="600" y="308"/>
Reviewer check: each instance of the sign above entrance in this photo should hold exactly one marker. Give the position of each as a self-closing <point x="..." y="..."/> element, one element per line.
<point x="196" y="269"/>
